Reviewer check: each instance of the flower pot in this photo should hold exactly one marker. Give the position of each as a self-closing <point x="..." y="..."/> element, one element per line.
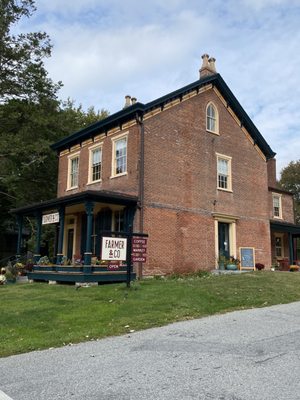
<point x="231" y="267"/>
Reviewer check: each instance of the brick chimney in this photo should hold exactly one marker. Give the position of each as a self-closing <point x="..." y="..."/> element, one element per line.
<point x="271" y="167"/>
<point x="127" y="101"/>
<point x="208" y="66"/>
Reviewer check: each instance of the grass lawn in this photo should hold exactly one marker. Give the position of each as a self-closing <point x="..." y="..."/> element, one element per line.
<point x="38" y="316"/>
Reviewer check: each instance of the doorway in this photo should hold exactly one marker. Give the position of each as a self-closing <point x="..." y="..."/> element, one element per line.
<point x="70" y="241"/>
<point x="223" y="239"/>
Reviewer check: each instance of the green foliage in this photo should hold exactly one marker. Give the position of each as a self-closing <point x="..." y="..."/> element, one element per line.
<point x="31" y="117"/>
<point x="22" y="72"/>
<point x="37" y="316"/>
<point x="290" y="180"/>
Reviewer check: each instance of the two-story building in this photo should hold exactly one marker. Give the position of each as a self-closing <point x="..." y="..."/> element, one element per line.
<point x="190" y="169"/>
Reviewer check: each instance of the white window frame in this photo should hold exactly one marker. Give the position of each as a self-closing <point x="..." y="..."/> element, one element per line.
<point x="231" y="220"/>
<point x="215" y="118"/>
<point x="70" y="160"/>
<point x="277" y="196"/>
<point x="114" y="159"/>
<point x="116" y="221"/>
<point x="228" y="159"/>
<point x="92" y="149"/>
<point x="281" y="237"/>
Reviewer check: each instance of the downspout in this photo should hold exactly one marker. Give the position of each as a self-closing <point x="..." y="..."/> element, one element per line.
<point x="141" y="190"/>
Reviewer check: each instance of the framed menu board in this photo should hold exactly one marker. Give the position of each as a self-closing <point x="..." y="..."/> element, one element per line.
<point x="247" y="258"/>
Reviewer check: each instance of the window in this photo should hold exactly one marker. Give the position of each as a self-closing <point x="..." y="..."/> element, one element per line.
<point x="212" y="119"/>
<point x="73" y="171"/>
<point x="224" y="172"/>
<point x="277" y="212"/>
<point x="279" y="246"/>
<point x="119" y="156"/>
<point x="95" y="164"/>
<point x="119" y="221"/>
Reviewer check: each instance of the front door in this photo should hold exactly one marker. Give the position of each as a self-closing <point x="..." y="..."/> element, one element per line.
<point x="224" y="247"/>
<point x="70" y="243"/>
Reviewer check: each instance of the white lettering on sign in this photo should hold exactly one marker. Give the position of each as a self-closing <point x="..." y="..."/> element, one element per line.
<point x="50" y="218"/>
<point x="114" y="249"/>
<point x="138" y="259"/>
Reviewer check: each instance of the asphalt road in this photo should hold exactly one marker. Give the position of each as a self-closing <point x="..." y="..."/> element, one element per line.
<point x="244" y="355"/>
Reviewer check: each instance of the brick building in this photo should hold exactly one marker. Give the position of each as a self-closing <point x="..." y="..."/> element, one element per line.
<point x="190" y="169"/>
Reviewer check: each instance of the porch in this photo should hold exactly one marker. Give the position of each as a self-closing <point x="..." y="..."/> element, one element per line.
<point x="79" y="274"/>
<point x="80" y="221"/>
<point x="285" y="242"/>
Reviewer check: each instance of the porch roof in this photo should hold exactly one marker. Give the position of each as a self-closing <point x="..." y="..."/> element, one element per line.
<point x="89" y="195"/>
<point x="285" y="227"/>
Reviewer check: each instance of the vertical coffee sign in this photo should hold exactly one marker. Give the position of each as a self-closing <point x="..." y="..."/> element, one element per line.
<point x="139" y="249"/>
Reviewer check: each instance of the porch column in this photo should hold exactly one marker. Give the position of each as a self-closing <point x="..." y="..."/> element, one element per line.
<point x="20" y="230"/>
<point x="37" y="255"/>
<point x="89" y="208"/>
<point x="291" y="248"/>
<point x="60" y="243"/>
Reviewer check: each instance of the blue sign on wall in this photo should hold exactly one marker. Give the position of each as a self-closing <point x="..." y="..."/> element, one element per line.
<point x="247" y="257"/>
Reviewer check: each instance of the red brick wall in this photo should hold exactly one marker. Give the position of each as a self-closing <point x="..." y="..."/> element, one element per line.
<point x="287" y="204"/>
<point x="180" y="183"/>
<point x="272" y="182"/>
<point x="126" y="184"/>
<point x="181" y="187"/>
<point x="176" y="242"/>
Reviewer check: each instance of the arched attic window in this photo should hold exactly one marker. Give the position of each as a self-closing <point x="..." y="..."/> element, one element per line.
<point x="212" y="118"/>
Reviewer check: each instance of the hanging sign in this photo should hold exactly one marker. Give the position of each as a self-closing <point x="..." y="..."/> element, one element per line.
<point x="114" y="249"/>
<point x="50" y="218"/>
<point x="139" y="249"/>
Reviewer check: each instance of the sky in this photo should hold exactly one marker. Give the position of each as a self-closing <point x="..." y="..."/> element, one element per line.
<point x="106" y="49"/>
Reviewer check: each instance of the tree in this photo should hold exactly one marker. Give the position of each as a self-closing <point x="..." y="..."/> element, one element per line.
<point x="290" y="180"/>
<point x="22" y="72"/>
<point x="31" y="116"/>
<point x="28" y="167"/>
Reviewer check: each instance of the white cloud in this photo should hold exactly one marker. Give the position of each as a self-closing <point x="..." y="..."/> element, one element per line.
<point x="105" y="50"/>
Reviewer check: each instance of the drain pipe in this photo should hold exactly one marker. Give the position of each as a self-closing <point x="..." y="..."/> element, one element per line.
<point x="139" y="120"/>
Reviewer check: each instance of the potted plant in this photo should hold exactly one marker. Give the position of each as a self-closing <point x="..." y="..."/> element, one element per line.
<point x="233" y="263"/>
<point x="259" y="266"/>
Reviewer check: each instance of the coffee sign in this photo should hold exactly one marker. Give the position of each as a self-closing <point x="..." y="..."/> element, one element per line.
<point x="50" y="218"/>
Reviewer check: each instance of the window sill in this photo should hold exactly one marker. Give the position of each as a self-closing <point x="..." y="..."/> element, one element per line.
<point x="277" y="217"/>
<point x="214" y="133"/>
<point x="71" y="188"/>
<point x="117" y="176"/>
<point x="225" y="190"/>
<point x="93" y="182"/>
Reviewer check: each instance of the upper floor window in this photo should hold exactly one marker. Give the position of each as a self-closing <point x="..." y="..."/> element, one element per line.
<point x="277" y="209"/>
<point x="119" y="166"/>
<point x="224" y="172"/>
<point x="212" y="118"/>
<point x="95" y="164"/>
<point x="73" y="171"/>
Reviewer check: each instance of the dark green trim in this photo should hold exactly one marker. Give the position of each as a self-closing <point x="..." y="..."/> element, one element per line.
<point x="138" y="109"/>
<point x="89" y="195"/>
<point x="285" y="227"/>
<point x="80" y="277"/>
